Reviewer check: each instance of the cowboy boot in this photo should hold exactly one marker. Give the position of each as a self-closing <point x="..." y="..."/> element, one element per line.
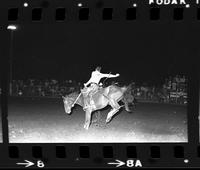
<point x="91" y="100"/>
<point x="85" y="105"/>
<point x="85" y="101"/>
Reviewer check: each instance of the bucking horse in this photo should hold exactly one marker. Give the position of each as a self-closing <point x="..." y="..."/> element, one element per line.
<point x="110" y="95"/>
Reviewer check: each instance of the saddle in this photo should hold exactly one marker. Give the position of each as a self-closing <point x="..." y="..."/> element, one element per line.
<point x="91" y="90"/>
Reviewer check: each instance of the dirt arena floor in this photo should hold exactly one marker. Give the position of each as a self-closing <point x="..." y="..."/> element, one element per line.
<point x="42" y="120"/>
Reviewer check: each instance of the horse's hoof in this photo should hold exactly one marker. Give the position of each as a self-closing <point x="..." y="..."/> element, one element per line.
<point x="128" y="110"/>
<point x="86" y="127"/>
<point x="108" y="120"/>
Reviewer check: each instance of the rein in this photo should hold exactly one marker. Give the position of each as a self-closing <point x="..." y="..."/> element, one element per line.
<point x="76" y="100"/>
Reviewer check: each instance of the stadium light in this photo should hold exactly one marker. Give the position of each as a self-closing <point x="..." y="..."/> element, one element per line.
<point x="25" y="4"/>
<point x="12" y="27"/>
<point x="134" y="5"/>
<point x="80" y="4"/>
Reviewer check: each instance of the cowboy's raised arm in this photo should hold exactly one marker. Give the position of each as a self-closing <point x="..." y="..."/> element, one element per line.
<point x="109" y="75"/>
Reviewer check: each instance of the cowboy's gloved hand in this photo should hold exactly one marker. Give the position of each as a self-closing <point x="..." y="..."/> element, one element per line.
<point x="101" y="84"/>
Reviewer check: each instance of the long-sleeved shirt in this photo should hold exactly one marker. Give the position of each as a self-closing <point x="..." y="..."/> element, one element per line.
<point x="97" y="76"/>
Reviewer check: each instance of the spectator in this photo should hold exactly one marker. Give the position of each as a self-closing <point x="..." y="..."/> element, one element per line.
<point x="174" y="84"/>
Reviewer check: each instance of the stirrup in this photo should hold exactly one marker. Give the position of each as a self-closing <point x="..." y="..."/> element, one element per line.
<point x="84" y="108"/>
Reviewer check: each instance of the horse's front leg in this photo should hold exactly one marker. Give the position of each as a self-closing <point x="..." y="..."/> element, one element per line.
<point x="87" y="119"/>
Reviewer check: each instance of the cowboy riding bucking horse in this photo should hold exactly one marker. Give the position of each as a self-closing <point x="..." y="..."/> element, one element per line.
<point x="93" y="85"/>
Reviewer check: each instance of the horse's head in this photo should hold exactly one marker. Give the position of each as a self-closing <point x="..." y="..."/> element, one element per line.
<point x="68" y="104"/>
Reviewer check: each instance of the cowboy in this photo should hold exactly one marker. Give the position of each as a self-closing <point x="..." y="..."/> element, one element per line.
<point x="96" y="76"/>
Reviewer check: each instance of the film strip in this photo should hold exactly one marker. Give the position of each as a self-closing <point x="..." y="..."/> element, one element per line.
<point x="99" y="84"/>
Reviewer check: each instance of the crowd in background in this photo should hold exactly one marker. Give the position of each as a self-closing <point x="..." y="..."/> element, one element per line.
<point x="177" y="88"/>
<point x="51" y="88"/>
<point x="173" y="90"/>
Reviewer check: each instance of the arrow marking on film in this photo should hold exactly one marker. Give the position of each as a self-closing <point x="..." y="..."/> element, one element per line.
<point x="118" y="163"/>
<point x="27" y="163"/>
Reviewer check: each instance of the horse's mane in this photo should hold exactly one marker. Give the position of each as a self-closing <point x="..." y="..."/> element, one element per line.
<point x="73" y="94"/>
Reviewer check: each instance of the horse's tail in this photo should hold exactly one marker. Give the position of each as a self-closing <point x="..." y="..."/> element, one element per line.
<point x="127" y="94"/>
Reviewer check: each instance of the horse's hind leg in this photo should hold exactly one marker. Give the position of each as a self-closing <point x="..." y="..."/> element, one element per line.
<point x="115" y="109"/>
<point x="110" y="114"/>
